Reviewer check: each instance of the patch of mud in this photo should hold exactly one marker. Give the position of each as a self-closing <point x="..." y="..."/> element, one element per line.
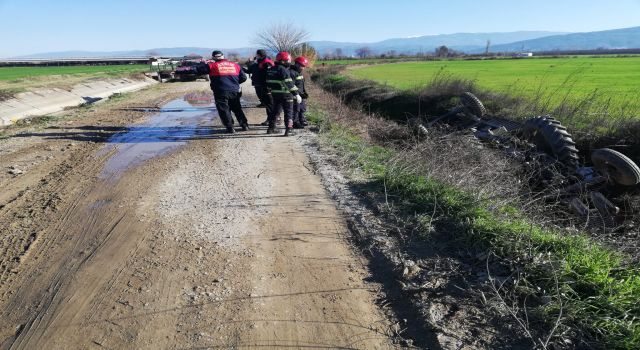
<point x="57" y="161"/>
<point x="160" y="134"/>
<point x="6" y="95"/>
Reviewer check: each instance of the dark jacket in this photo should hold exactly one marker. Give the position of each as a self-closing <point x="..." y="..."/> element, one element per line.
<point x="258" y="71"/>
<point x="298" y="79"/>
<point x="224" y="75"/>
<point x="279" y="81"/>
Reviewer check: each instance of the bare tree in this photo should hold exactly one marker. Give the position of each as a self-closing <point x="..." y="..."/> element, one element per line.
<point x="283" y="36"/>
<point x="339" y="53"/>
<point x="442" y="51"/>
<point x="486" y="50"/>
<point x="363" y="52"/>
<point x="305" y="50"/>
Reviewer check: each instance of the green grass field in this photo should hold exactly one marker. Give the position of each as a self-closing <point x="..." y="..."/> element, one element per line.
<point x="15" y="73"/>
<point x="614" y="80"/>
<point x="357" y="61"/>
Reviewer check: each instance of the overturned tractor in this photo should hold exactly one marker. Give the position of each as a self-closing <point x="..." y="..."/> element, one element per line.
<point x="547" y="148"/>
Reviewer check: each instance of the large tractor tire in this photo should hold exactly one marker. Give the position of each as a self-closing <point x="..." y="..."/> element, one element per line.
<point x="616" y="166"/>
<point x="472" y="105"/>
<point x="552" y="138"/>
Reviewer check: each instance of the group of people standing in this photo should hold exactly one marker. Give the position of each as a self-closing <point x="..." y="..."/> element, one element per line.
<point x="279" y="86"/>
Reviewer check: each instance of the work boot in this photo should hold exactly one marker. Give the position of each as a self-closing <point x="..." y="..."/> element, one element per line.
<point x="288" y="132"/>
<point x="265" y="123"/>
<point x="231" y="130"/>
<point x="245" y="126"/>
<point x="272" y="130"/>
<point x="297" y="125"/>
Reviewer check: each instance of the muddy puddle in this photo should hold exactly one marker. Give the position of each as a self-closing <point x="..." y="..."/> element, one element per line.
<point x="176" y="123"/>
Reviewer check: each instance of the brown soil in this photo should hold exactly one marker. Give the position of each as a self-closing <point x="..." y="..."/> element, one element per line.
<point x="226" y="242"/>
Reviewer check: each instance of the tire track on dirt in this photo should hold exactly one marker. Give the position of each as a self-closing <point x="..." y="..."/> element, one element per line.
<point x="88" y="234"/>
<point x="64" y="212"/>
<point x="24" y="213"/>
<point x="272" y="217"/>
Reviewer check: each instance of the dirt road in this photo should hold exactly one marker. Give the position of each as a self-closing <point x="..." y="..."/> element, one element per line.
<point x="169" y="234"/>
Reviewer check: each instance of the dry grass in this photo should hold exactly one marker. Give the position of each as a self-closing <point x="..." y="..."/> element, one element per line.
<point x="564" y="290"/>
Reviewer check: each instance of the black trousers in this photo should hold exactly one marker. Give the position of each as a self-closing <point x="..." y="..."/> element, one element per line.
<point x="265" y="98"/>
<point x="227" y="102"/>
<point x="284" y="103"/>
<point x="298" y="111"/>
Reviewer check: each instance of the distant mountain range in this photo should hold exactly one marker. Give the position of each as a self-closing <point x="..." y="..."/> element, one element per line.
<point x="461" y="42"/>
<point x="533" y="41"/>
<point x="165" y="51"/>
<point x="627" y="38"/>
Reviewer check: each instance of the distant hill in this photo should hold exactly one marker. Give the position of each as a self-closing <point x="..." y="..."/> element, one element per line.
<point x="465" y="42"/>
<point x="428" y="43"/>
<point x="627" y="38"/>
<point x="168" y="51"/>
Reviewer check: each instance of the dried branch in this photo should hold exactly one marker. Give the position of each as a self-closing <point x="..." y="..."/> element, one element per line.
<point x="282" y="36"/>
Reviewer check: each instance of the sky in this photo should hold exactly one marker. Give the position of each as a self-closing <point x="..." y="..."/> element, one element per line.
<point x="36" y="26"/>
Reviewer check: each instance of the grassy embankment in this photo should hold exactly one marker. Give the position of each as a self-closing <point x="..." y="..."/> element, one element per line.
<point x="19" y="79"/>
<point x="577" y="289"/>
<point x="611" y="82"/>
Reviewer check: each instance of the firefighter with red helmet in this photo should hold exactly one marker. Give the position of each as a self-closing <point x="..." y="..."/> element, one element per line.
<point x="300" y="63"/>
<point x="226" y="77"/>
<point x="284" y="92"/>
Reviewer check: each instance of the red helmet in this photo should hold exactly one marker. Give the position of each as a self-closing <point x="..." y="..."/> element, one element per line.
<point x="283" y="56"/>
<point x="265" y="62"/>
<point x="303" y="61"/>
